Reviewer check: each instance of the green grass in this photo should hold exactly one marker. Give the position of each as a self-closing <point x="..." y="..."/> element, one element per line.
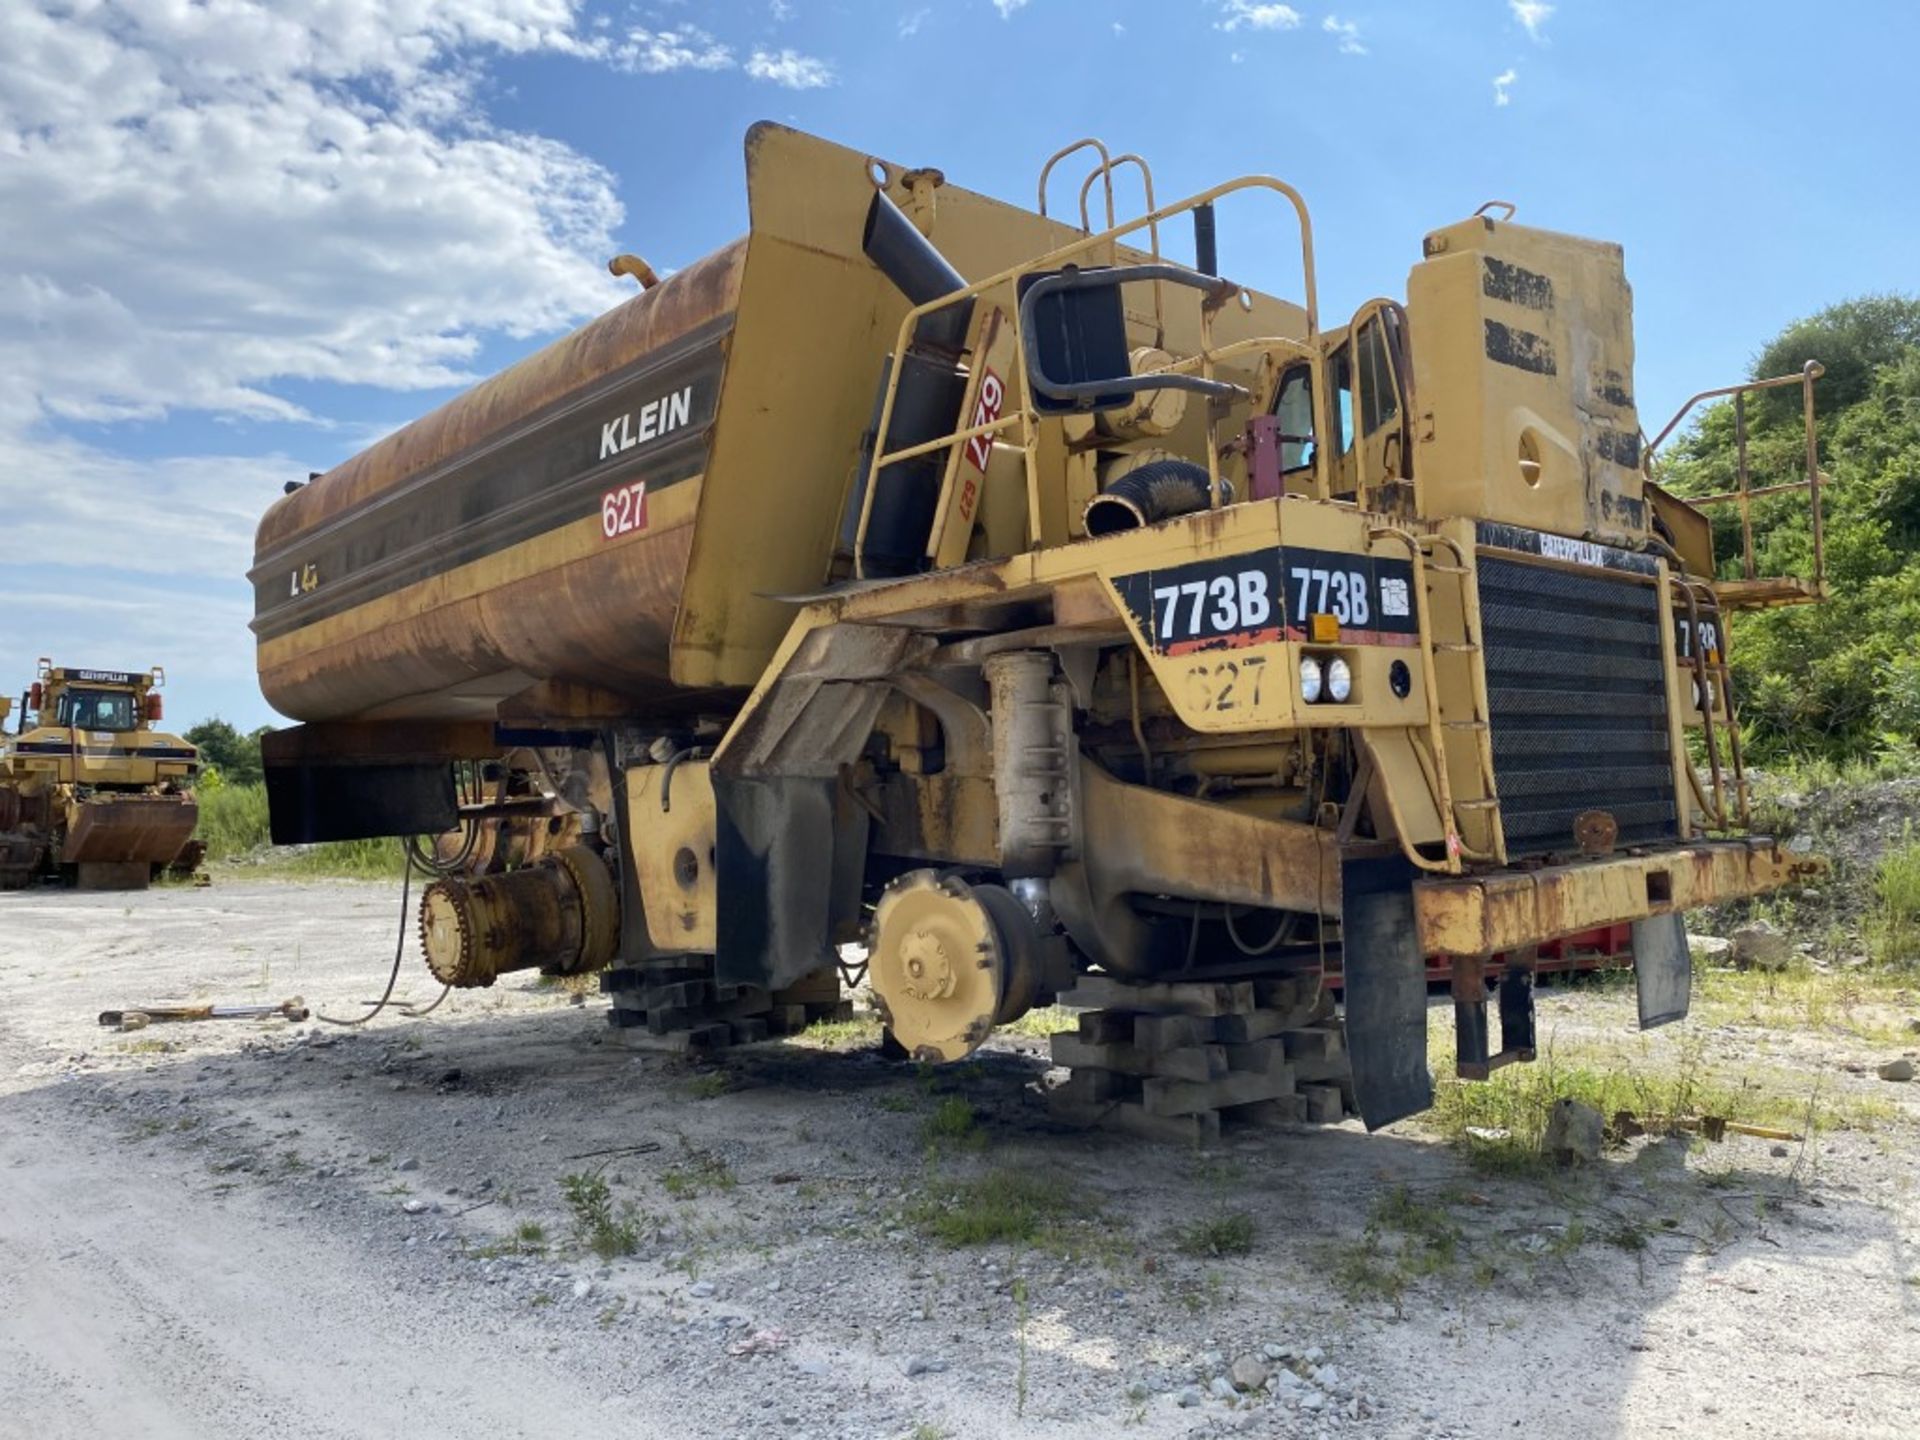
<point x="233" y="819"/>
<point x="841" y="1034"/>
<point x="608" y="1232"/>
<point x="1406" y="1239"/>
<point x="1230" y="1233"/>
<point x="233" y="823"/>
<point x="952" y="1124"/>
<point x="1863" y="1003"/>
<point x="1895" y="925"/>
<point x="1045" y="1021"/>
<point x="1000" y="1207"/>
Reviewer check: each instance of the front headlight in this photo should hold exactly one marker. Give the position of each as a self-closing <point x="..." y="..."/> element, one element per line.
<point x="1309" y="679"/>
<point x="1339" y="681"/>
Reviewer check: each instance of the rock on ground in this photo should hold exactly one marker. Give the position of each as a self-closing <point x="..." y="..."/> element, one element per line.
<point x="1574" y="1133"/>
<point x="1760" y="946"/>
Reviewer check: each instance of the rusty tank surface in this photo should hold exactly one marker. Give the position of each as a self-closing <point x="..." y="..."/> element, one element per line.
<point x="1009" y="610"/>
<point x="90" y="792"/>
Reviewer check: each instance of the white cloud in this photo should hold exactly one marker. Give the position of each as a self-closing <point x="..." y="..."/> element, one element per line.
<point x="1502" y="83"/>
<point x="1247" y="15"/>
<point x="1118" y="28"/>
<point x="790" y="69"/>
<point x="1347" y="32"/>
<point x="207" y="203"/>
<point x="781" y="11"/>
<point x="910" y="24"/>
<point x="1532" y="15"/>
<point x="659" y="52"/>
<point x="1007" y="7"/>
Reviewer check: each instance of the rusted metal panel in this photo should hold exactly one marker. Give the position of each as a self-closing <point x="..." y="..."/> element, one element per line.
<point x="1482" y="914"/>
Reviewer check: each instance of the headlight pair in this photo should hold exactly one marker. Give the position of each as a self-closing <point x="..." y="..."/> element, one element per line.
<point x="1331" y="680"/>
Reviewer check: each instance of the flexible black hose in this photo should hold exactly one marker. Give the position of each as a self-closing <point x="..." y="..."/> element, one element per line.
<point x="399" y="952"/>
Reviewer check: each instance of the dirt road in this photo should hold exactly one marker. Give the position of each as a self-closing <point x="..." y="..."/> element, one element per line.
<point x="262" y="1229"/>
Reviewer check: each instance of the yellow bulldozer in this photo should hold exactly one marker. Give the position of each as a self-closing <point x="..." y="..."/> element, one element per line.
<point x="931" y="584"/>
<point x="90" y="792"/>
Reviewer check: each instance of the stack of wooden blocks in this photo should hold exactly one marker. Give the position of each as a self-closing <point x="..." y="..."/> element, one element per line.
<point x="678" y="1006"/>
<point x="1177" y="1061"/>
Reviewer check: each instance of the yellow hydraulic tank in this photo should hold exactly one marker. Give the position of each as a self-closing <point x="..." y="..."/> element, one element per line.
<point x="624" y="509"/>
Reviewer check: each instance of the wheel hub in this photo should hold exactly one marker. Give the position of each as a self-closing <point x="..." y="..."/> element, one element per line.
<point x="938" y="965"/>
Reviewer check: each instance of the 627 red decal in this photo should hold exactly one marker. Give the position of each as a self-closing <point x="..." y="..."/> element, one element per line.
<point x="624" y="510"/>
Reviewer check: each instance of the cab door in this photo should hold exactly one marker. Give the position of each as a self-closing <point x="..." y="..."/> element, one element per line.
<point x="1382" y="408"/>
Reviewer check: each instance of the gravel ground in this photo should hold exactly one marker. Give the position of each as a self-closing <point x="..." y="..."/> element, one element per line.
<point x="253" y="1229"/>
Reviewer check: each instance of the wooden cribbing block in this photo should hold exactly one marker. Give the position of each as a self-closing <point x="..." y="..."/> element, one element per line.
<point x="1185" y="1097"/>
<point x="1314" y="1044"/>
<point x="1286" y="1110"/>
<point x="787" y="1019"/>
<point x="1103" y="992"/>
<point x="1103" y="1027"/>
<point x="1191" y="1062"/>
<point x="1325" y="1105"/>
<point x="1094" y="1087"/>
<point x="1170" y="1032"/>
<point x="1262" y="1057"/>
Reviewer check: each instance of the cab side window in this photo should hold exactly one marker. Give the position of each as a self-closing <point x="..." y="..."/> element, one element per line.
<point x="1379" y="397"/>
<point x="1340" y="376"/>
<point x="1294" y="410"/>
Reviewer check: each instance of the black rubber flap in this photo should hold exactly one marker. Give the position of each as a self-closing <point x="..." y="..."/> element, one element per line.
<point x="773" y="868"/>
<point x="1386" y="991"/>
<point x="1662" y="969"/>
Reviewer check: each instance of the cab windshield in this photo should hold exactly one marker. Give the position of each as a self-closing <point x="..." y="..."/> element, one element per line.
<point x="95" y="710"/>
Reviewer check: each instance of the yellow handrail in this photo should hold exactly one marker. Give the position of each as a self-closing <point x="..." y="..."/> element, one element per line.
<point x="1056" y="259"/>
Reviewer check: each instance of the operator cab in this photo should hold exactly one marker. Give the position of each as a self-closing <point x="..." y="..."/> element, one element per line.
<point x="1367" y="372"/>
<point x="95" y="710"/>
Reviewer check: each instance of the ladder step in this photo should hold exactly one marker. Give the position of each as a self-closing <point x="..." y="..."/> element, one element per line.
<point x="1490" y="803"/>
<point x="1464" y="724"/>
<point x="1433" y="569"/>
<point x="1454" y="647"/>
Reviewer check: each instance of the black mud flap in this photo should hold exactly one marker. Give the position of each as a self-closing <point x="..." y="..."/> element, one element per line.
<point x="773" y="873"/>
<point x="1662" y="969"/>
<point x="1385" y="975"/>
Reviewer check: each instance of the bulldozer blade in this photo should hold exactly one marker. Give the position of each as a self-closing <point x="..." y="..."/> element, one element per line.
<point x="129" y="829"/>
<point x="1386" y="991"/>
<point x="1662" y="969"/>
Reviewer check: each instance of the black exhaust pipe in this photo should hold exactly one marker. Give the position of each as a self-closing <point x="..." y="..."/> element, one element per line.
<point x="926" y="404"/>
<point x="919" y="272"/>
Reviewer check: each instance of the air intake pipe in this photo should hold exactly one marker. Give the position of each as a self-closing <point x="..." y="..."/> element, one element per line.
<point x="1148" y="494"/>
<point x="926" y="404"/>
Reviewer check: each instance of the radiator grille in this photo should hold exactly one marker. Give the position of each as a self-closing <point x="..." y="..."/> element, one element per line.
<point x="1577" y="693"/>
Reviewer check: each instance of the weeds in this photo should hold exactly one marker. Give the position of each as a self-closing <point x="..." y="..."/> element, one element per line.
<point x="1221" y="1235"/>
<point x="952" y="1124"/>
<point x="1405" y="1240"/>
<point x="1895" y="927"/>
<point x="1020" y="1375"/>
<point x="1002" y="1206"/>
<point x="841" y="1034"/>
<point x="609" y="1234"/>
<point x="709" y="1086"/>
<point x="698" y="1175"/>
<point x="233" y="823"/>
<point x="1045" y="1021"/>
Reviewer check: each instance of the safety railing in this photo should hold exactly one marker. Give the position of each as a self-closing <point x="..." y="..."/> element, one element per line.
<point x="1025" y="419"/>
<point x="1753" y="589"/>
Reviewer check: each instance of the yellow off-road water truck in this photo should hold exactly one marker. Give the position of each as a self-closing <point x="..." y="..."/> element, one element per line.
<point x="90" y="792"/>
<point x="1043" y="616"/>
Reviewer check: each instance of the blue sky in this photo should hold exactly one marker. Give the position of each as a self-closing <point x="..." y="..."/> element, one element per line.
<point x="242" y="239"/>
